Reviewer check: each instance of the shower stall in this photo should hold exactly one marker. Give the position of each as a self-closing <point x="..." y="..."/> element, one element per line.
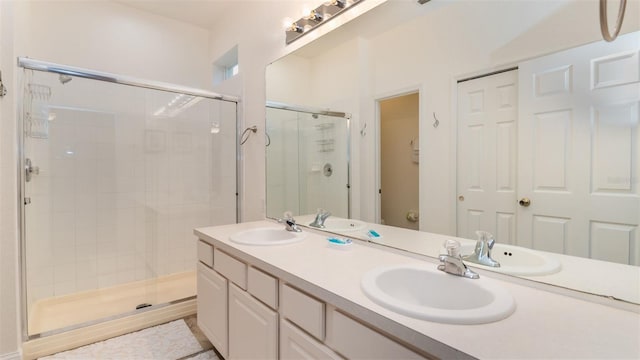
<point x="307" y="160"/>
<point x="115" y="173"/>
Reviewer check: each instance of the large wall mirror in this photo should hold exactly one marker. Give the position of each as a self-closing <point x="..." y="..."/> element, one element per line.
<point x="524" y="123"/>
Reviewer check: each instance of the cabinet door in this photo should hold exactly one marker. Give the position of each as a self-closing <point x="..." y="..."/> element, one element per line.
<point x="253" y="327"/>
<point x="296" y="344"/>
<point x="212" y="307"/>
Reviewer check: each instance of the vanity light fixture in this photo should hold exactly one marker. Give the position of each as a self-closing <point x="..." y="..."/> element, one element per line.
<point x="317" y="17"/>
<point x="339" y="3"/>
<point x="314" y="16"/>
<point x="295" y="28"/>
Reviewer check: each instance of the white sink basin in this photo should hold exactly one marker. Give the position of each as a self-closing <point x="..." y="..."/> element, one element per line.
<point x="516" y="260"/>
<point x="267" y="236"/>
<point x="342" y="225"/>
<point x="420" y="291"/>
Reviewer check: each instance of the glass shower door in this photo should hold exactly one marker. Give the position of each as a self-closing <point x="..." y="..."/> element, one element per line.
<point x="116" y="177"/>
<point x="307" y="163"/>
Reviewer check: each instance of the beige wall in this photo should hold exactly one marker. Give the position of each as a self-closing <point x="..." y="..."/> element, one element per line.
<point x="399" y="173"/>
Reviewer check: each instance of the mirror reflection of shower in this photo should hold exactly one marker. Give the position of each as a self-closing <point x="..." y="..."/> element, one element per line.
<point x="307" y="160"/>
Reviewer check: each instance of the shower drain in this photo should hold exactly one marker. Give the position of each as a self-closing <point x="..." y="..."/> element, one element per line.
<point x="142" y="306"/>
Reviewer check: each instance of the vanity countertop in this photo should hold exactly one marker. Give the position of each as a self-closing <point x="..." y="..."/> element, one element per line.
<point x="592" y="276"/>
<point x="544" y="324"/>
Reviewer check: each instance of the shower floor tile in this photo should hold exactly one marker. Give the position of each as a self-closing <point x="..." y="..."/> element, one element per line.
<point x="64" y="311"/>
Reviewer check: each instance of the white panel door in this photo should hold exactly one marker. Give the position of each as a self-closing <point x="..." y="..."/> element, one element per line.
<point x="578" y="151"/>
<point x="486" y="166"/>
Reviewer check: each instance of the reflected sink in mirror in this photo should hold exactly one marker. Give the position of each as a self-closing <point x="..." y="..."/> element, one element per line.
<point x="267" y="236"/>
<point x="516" y="260"/>
<point x="342" y="225"/>
<point x="420" y="291"/>
<point x="333" y="224"/>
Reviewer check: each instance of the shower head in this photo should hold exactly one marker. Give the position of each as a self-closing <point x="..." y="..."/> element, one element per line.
<point x="65" y="78"/>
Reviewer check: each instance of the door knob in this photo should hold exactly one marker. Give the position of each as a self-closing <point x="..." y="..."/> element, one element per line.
<point x="524" y="202"/>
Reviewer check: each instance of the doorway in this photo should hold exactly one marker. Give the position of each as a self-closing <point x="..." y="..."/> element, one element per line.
<point x="399" y="161"/>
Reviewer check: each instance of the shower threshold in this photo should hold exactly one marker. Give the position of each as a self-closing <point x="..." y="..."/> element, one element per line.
<point x="65" y="311"/>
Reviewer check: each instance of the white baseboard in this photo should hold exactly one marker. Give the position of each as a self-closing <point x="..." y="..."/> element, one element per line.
<point x="79" y="337"/>
<point x="11" y="356"/>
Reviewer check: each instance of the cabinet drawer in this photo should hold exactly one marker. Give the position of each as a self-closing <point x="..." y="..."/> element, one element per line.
<point x="355" y="340"/>
<point x="296" y="344"/>
<point x="303" y="310"/>
<point x="205" y="253"/>
<point x="231" y="268"/>
<point x="263" y="286"/>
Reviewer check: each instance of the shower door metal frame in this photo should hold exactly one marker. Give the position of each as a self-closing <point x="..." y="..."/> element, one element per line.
<point x="44" y="66"/>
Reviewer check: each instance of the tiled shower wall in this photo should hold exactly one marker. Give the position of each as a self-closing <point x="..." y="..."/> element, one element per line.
<point x="119" y="194"/>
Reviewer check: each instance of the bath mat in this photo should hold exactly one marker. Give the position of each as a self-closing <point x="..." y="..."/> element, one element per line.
<point x="168" y="341"/>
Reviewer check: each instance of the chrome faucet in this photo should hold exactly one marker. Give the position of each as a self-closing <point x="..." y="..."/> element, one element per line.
<point x="289" y="222"/>
<point x="482" y="252"/>
<point x="452" y="262"/>
<point x="321" y="216"/>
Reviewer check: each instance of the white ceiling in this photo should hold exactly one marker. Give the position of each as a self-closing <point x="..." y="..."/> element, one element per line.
<point x="203" y="13"/>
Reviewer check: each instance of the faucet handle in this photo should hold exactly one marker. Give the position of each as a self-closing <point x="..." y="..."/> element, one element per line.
<point x="289" y="223"/>
<point x="288" y="215"/>
<point x="452" y="247"/>
<point x="486" y="237"/>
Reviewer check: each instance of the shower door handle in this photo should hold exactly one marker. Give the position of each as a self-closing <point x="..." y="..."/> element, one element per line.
<point x="29" y="170"/>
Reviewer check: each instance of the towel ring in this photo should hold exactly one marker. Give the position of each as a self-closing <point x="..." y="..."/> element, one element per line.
<point x="604" y="23"/>
<point x="437" y="122"/>
<point x="246" y="134"/>
<point x="363" y="131"/>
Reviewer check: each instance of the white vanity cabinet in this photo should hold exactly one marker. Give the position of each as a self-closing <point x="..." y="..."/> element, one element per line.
<point x="248" y="313"/>
<point x="252" y="327"/>
<point x="212" y="307"/>
<point x="238" y="324"/>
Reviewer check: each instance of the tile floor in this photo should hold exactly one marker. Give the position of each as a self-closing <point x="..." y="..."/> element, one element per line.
<point x="208" y="353"/>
